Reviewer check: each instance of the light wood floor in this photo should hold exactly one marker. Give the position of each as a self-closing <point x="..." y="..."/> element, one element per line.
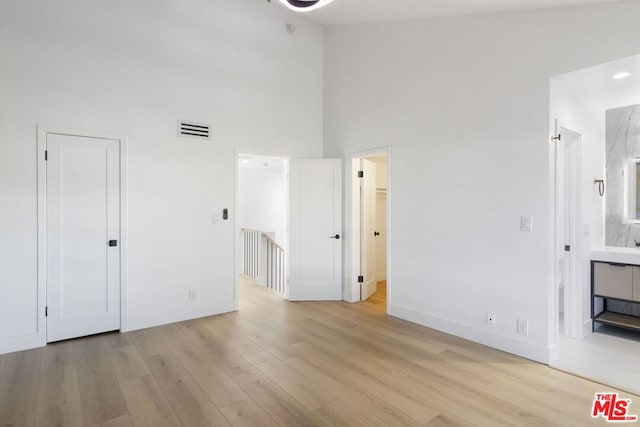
<point x="277" y="363"/>
<point x="379" y="299"/>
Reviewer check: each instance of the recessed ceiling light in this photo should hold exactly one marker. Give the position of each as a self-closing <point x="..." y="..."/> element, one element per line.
<point x="305" y="5"/>
<point x="245" y="162"/>
<point x="622" y="75"/>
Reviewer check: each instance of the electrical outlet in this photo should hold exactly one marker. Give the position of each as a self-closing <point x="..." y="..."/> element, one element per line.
<point x="192" y="294"/>
<point x="523" y="327"/>
<point x="526" y="223"/>
<point x="491" y="319"/>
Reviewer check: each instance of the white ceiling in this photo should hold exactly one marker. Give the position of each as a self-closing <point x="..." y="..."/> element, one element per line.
<point x="360" y="11"/>
<point x="596" y="86"/>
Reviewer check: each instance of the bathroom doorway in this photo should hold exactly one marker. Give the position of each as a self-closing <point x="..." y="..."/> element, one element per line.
<point x="568" y="251"/>
<point x="593" y="135"/>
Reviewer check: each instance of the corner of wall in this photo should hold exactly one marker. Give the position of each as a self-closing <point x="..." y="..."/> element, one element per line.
<point x="511" y="345"/>
<point x="21" y="342"/>
<point x="186" y="313"/>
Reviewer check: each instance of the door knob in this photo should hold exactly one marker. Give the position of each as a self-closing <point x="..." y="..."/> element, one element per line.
<point x="337" y="237"/>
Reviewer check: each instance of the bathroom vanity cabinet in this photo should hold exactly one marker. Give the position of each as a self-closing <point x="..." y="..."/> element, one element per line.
<point x="619" y="282"/>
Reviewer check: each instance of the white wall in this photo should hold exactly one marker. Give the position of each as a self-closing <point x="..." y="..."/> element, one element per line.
<point x="135" y="68"/>
<point x="464" y="103"/>
<point x="262" y="201"/>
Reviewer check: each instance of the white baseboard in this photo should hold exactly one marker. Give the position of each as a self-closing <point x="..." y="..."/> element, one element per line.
<point x="186" y="313"/>
<point x="554" y="353"/>
<point x="511" y="345"/>
<point x="20" y="342"/>
<point x="587" y="328"/>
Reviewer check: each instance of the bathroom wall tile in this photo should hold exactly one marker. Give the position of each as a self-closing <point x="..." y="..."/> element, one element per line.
<point x="622" y="142"/>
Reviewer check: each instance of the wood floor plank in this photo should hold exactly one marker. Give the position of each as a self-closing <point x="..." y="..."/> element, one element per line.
<point x="203" y="368"/>
<point x="149" y="341"/>
<point x="230" y="360"/>
<point x="357" y="398"/>
<point x="446" y="419"/>
<point x="187" y="400"/>
<point x="353" y="374"/>
<point x="306" y="392"/>
<point x="127" y="362"/>
<point x="59" y="401"/>
<point x="100" y="392"/>
<point x="147" y="406"/>
<point x="282" y="407"/>
<point x="339" y="414"/>
<point x="19" y="388"/>
<point x="123" y="421"/>
<point x="247" y="413"/>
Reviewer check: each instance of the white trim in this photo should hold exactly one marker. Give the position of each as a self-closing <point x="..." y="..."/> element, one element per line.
<point x="352" y="219"/>
<point x="43" y="131"/>
<point x="182" y="314"/>
<point x="574" y="292"/>
<point x="236" y="233"/>
<point x="517" y="346"/>
<point x="574" y="297"/>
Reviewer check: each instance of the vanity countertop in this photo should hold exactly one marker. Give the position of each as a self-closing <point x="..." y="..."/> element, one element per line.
<point x="616" y="254"/>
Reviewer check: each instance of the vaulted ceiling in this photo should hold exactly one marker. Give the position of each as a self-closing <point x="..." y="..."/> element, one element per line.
<point x="359" y="11"/>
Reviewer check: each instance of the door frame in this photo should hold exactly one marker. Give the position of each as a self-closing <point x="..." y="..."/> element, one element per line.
<point x="42" y="132"/>
<point x="238" y="247"/>
<point x="352" y="263"/>
<point x="573" y="291"/>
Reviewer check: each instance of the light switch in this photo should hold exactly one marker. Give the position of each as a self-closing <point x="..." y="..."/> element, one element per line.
<point x="526" y="223"/>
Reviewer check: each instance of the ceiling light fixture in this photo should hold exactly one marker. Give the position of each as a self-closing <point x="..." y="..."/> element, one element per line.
<point x="622" y="75"/>
<point x="305" y="5"/>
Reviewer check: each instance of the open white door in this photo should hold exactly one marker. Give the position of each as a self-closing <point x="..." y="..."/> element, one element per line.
<point x="367" y="228"/>
<point x="315" y="229"/>
<point x="83" y="236"/>
<point x="568" y="232"/>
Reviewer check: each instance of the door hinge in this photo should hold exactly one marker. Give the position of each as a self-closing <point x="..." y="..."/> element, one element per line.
<point x="557" y="137"/>
<point x="46" y="311"/>
<point x="567" y="248"/>
<point x="46" y="155"/>
<point x="360" y="279"/>
<point x="360" y="174"/>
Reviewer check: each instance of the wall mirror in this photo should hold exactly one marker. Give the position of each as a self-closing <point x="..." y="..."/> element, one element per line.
<point x="632" y="173"/>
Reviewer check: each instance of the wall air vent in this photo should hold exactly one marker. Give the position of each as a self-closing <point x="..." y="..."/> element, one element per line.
<point x="194" y="130"/>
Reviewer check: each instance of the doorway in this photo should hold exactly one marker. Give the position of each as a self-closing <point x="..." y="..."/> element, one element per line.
<point x="262" y="219"/>
<point x="371" y="207"/>
<point x="80" y="206"/>
<point x="302" y="261"/>
<point x="568" y="232"/>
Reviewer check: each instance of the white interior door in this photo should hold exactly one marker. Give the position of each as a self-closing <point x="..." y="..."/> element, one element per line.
<point x="83" y="236"/>
<point x="569" y="235"/>
<point x="315" y="229"/>
<point x="368" y="224"/>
